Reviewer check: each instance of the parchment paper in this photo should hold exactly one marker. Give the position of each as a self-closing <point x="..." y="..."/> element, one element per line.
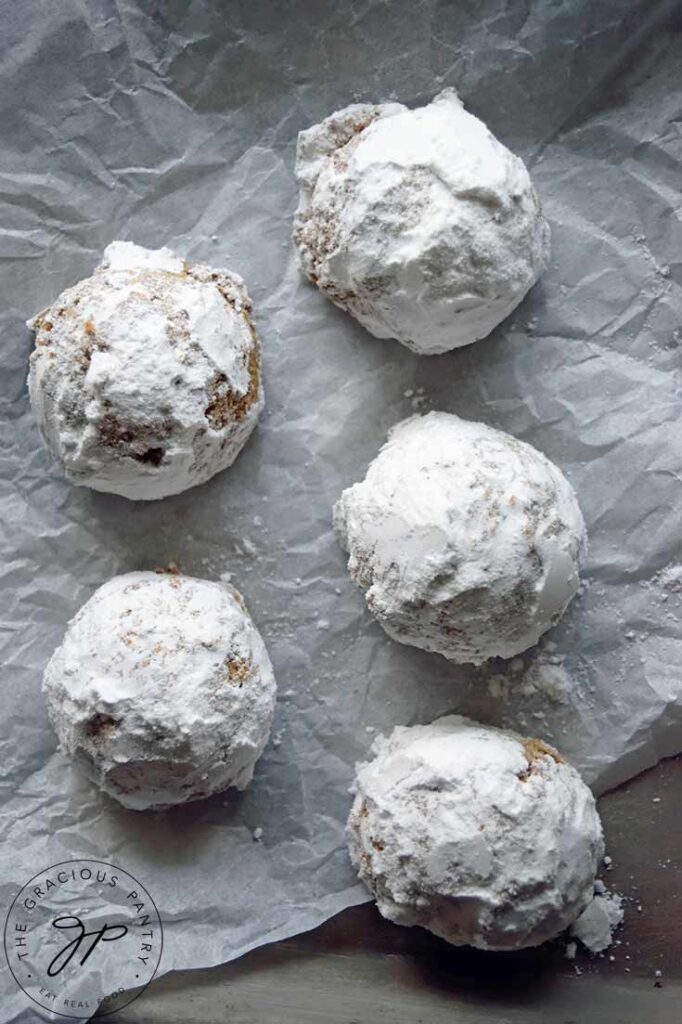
<point x="174" y="123"/>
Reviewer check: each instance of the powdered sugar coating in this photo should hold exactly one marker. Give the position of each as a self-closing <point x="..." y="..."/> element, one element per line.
<point x="162" y="690"/>
<point x="599" y="919"/>
<point x="145" y="379"/>
<point x="465" y="540"/>
<point x="418" y="222"/>
<point x="482" y="837"/>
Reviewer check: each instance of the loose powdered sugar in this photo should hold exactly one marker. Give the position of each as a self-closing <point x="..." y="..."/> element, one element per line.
<point x="544" y="677"/>
<point x="599" y="919"/>
<point x="465" y="540"/>
<point x="162" y="690"/>
<point x="481" y="836"/>
<point x="145" y="379"/>
<point x="670" y="578"/>
<point x="417" y="222"/>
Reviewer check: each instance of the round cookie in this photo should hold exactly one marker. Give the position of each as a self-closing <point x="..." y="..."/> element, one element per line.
<point x="145" y="379"/>
<point x="162" y="691"/>
<point x="483" y="837"/>
<point x="465" y="540"/>
<point x="417" y="222"/>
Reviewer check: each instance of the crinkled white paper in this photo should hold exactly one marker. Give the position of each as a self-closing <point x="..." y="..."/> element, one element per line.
<point x="175" y="123"/>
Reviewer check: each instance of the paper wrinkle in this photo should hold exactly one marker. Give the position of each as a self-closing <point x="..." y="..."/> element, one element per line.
<point x="179" y="129"/>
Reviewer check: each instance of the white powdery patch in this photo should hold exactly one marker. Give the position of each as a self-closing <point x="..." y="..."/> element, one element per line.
<point x="162" y="690"/>
<point x="417" y="222"/>
<point x="145" y="378"/>
<point x="466" y="541"/>
<point x="483" y="837"/>
<point x="599" y="919"/>
<point x="671" y="578"/>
